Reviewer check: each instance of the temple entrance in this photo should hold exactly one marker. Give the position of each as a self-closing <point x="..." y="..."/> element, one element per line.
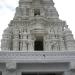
<point x="38" y="45"/>
<point x="41" y="73"/>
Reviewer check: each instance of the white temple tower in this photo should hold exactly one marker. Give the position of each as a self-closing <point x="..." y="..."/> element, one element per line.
<point x="37" y="42"/>
<point x="36" y="27"/>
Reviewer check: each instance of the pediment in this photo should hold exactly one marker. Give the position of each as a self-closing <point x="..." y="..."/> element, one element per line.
<point x="37" y="26"/>
<point x="39" y="20"/>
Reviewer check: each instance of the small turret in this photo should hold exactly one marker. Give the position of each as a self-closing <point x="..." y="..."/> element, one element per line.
<point x="70" y="42"/>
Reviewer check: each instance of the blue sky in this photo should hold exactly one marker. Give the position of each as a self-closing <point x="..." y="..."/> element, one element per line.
<point x="65" y="8"/>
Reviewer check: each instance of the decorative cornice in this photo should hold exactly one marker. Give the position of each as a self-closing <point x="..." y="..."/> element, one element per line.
<point x="44" y="57"/>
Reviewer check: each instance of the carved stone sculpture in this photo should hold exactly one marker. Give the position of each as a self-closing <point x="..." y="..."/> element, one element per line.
<point x="38" y="19"/>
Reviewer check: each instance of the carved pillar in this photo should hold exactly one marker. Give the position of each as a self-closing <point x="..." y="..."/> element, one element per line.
<point x="46" y="46"/>
<point x="24" y="11"/>
<point x="6" y="41"/>
<point x="16" y="44"/>
<point x="53" y="42"/>
<point x="5" y="44"/>
<point x="24" y="45"/>
<point x="53" y="45"/>
<point x="46" y="43"/>
<point x="24" y="40"/>
<point x="16" y="41"/>
<point x="31" y="45"/>
<point x="61" y="43"/>
<point x="32" y="12"/>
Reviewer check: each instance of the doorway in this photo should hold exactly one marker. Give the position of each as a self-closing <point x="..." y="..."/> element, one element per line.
<point x="38" y="44"/>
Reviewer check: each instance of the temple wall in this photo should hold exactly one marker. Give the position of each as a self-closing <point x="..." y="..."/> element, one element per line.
<point x="15" y="63"/>
<point x="62" y="68"/>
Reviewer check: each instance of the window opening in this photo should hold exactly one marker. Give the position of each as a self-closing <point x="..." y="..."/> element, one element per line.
<point x="36" y="12"/>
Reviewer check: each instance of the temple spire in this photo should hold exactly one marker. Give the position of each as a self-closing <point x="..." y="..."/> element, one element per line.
<point x="28" y="7"/>
<point x="36" y="27"/>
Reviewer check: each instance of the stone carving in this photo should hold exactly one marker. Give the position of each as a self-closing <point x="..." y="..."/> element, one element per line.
<point x="36" y="25"/>
<point x="11" y="66"/>
<point x="38" y="19"/>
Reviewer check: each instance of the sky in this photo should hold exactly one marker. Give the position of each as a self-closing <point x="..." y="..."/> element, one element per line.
<point x="65" y="8"/>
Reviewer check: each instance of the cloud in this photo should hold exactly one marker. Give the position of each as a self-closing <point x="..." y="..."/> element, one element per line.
<point x="9" y="4"/>
<point x="7" y="10"/>
<point x="66" y="10"/>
